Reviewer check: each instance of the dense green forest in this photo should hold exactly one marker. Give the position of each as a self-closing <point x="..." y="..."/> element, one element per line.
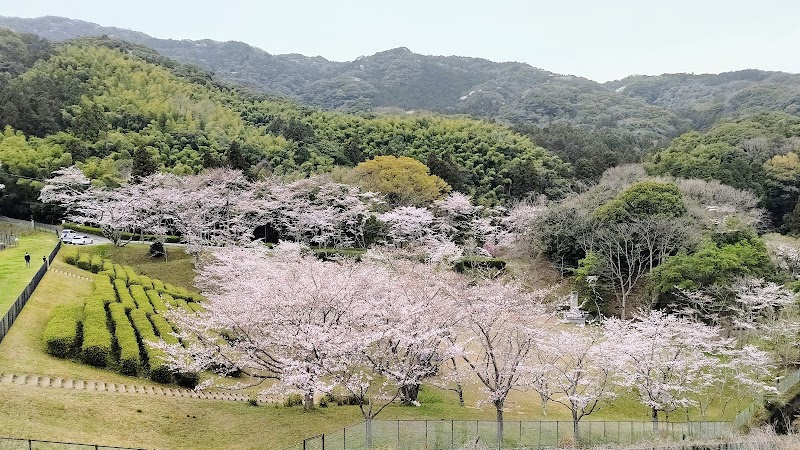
<point x="117" y="109"/>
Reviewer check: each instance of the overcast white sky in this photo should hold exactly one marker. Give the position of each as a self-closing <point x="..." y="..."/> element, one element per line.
<point x="601" y="40"/>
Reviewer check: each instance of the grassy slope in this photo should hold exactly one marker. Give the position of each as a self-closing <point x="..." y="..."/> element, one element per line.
<point x="13" y="273"/>
<point x="107" y="418"/>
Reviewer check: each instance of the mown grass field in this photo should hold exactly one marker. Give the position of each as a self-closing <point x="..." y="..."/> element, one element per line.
<point x="178" y="423"/>
<point x="14" y="275"/>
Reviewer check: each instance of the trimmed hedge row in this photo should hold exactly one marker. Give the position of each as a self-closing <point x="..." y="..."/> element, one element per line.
<point x="119" y="274"/>
<point x="195" y="307"/>
<point x="158" y="304"/>
<point x="126" y="340"/>
<point x="84" y="261"/>
<point x="62" y="335"/>
<point x="131" y="274"/>
<point x="158" y="284"/>
<point x="159" y="371"/>
<point x="141" y="299"/>
<point x="104" y="289"/>
<point x="145" y="281"/>
<point x="163" y="329"/>
<point x="96" y="264"/>
<point x="123" y="295"/>
<point x="96" y="348"/>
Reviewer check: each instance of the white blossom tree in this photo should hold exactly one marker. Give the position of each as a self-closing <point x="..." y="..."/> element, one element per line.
<point x="499" y="326"/>
<point x="668" y="361"/>
<point x="576" y="370"/>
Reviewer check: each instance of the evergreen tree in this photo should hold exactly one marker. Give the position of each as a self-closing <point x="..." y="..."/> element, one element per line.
<point x="143" y="163"/>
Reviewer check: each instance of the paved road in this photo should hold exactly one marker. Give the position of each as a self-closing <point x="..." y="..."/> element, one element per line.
<point x="98" y="240"/>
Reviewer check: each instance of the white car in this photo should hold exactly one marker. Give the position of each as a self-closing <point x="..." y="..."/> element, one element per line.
<point x="67" y="235"/>
<point x="79" y="239"/>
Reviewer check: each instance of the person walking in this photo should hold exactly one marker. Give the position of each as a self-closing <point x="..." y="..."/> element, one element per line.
<point x="27" y="260"/>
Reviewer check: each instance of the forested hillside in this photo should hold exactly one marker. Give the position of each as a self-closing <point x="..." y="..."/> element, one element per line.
<point x="119" y="110"/>
<point x="399" y="78"/>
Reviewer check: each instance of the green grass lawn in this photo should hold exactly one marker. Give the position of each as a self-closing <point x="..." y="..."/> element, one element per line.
<point x="14" y="276"/>
<point x="161" y="422"/>
<point x="176" y="269"/>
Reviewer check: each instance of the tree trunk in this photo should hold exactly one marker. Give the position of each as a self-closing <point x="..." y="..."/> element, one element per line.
<point x="499" y="405"/>
<point x="368" y="435"/>
<point x="575" y="430"/>
<point x="460" y="392"/>
<point x="409" y="393"/>
<point x="655" y="420"/>
<point x="308" y="400"/>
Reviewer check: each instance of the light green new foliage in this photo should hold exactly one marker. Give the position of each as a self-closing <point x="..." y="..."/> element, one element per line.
<point x="104" y="289"/>
<point x="145" y="282"/>
<point x="158" y="284"/>
<point x="126" y="340"/>
<point x="96" y="263"/>
<point x="156" y="301"/>
<point x="141" y="299"/>
<point x="131" y="274"/>
<point x="96" y="348"/>
<point x="84" y="261"/>
<point x="120" y="274"/>
<point x="61" y="334"/>
<point x="164" y="329"/>
<point x="124" y="295"/>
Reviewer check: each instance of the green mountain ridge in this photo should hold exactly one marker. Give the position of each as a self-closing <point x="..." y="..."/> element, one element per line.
<point x="115" y="109"/>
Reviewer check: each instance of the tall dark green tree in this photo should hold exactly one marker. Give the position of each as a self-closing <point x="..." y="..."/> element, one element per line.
<point x="143" y="163"/>
<point x="235" y="157"/>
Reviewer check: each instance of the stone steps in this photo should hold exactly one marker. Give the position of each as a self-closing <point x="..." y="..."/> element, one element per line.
<point x="101" y="386"/>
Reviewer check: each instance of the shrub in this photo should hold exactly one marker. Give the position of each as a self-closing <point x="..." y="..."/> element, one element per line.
<point x="84" y="261"/>
<point x="124" y="295"/>
<point x="194" y="306"/>
<point x="158" y="304"/>
<point x="341" y="400"/>
<point x="293" y="399"/>
<point x="187" y="379"/>
<point x="331" y="254"/>
<point x="104" y="289"/>
<point x="126" y="340"/>
<point x="158" y="284"/>
<point x="479" y="263"/>
<point x="71" y="259"/>
<point x="159" y="371"/>
<point x="170" y="288"/>
<point x="157" y="249"/>
<point x="163" y="329"/>
<point x="96" y="264"/>
<point x="62" y="333"/>
<point x="96" y="348"/>
<point x="108" y="265"/>
<point x="131" y="274"/>
<point x="145" y="281"/>
<point x="119" y="273"/>
<point x="141" y="299"/>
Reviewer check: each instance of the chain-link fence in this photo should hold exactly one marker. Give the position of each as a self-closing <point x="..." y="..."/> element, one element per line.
<point x="33" y="444"/>
<point x="451" y="434"/>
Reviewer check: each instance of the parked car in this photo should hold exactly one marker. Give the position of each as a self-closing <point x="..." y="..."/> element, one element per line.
<point x="67" y="234"/>
<point x="79" y="239"/>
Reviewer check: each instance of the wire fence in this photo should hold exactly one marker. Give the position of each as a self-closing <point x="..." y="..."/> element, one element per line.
<point x="19" y="303"/>
<point x="782" y="387"/>
<point x="34" y="444"/>
<point x="453" y="434"/>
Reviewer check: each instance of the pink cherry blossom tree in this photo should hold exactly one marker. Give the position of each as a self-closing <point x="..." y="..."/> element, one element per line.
<point x="575" y="369"/>
<point x="668" y="361"/>
<point x="500" y="331"/>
